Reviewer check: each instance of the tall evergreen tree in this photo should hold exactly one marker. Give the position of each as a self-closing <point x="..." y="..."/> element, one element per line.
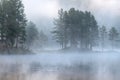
<point x="13" y="22"/>
<point x="32" y="34"/>
<point x="89" y="31"/>
<point x="75" y="27"/>
<point x="60" y="30"/>
<point x="113" y="36"/>
<point x="103" y="36"/>
<point x="3" y="19"/>
<point x="42" y="39"/>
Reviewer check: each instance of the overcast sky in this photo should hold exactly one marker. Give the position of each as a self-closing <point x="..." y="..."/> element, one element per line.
<point x="42" y="12"/>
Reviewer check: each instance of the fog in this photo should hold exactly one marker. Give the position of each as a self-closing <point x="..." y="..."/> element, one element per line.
<point x="61" y="67"/>
<point x="42" y="12"/>
<point x="76" y="50"/>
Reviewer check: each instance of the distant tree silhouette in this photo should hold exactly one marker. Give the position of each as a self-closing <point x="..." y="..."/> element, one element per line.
<point x="113" y="36"/>
<point x="76" y="28"/>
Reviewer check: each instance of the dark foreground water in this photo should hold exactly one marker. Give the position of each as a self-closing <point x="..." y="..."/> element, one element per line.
<point x="96" y="66"/>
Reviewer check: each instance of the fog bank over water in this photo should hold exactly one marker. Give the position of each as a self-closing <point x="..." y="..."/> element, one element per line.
<point x="61" y="67"/>
<point x="84" y="50"/>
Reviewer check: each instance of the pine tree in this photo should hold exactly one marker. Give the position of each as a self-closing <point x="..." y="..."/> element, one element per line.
<point x="42" y="39"/>
<point x="73" y="26"/>
<point x="31" y="34"/>
<point x="113" y="35"/>
<point x="60" y="31"/>
<point x="13" y="22"/>
<point x="76" y="27"/>
<point x="103" y="36"/>
<point x="3" y="19"/>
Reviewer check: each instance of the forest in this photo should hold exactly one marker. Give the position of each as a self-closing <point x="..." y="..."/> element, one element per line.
<point x="73" y="28"/>
<point x="59" y="40"/>
<point x="79" y="29"/>
<point x="16" y="31"/>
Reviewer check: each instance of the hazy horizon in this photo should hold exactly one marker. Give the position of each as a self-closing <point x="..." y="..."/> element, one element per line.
<point x="75" y="48"/>
<point x="44" y="11"/>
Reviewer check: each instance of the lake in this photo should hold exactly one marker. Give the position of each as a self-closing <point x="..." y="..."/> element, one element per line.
<point x="56" y="66"/>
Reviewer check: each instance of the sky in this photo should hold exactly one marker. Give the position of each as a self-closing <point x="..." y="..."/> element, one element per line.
<point x="43" y="12"/>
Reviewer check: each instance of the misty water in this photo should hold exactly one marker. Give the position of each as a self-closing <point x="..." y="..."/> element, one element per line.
<point x="69" y="66"/>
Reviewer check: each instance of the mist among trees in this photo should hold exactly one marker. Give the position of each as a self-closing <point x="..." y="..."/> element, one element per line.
<point x="76" y="28"/>
<point x="15" y="30"/>
<point x="73" y="29"/>
<point x="79" y="29"/>
<point x="70" y="46"/>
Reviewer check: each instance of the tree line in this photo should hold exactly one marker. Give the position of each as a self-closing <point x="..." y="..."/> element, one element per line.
<point x="75" y="28"/>
<point x="15" y="30"/>
<point x="12" y="22"/>
<point x="109" y="37"/>
<point x="79" y="29"/>
<point x="35" y="38"/>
